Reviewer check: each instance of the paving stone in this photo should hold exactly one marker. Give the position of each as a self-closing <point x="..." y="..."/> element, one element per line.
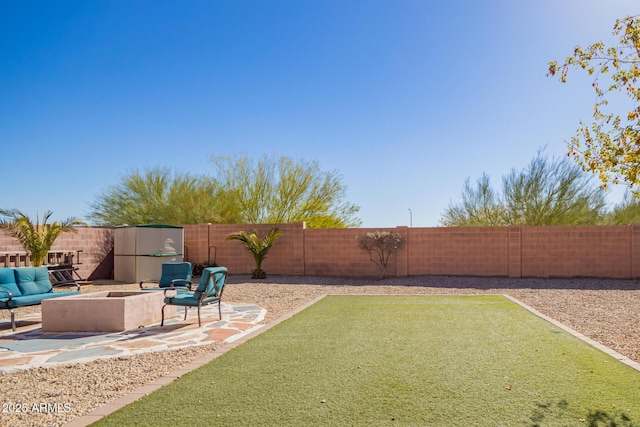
<point x="30" y="347"/>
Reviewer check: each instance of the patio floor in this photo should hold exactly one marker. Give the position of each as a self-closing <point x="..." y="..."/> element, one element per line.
<point x="29" y="347"/>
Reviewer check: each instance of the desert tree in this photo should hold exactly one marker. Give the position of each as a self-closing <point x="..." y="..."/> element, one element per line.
<point x="276" y="190"/>
<point x="240" y="191"/>
<point x="546" y="192"/>
<point x="551" y="192"/>
<point x="157" y="195"/>
<point x="380" y="245"/>
<point x="480" y="206"/>
<point x="608" y="146"/>
<point x="624" y="213"/>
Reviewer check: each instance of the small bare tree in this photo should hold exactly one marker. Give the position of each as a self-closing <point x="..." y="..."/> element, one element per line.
<point x="380" y="245"/>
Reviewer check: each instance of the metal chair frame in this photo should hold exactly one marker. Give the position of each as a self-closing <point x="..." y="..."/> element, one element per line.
<point x="218" y="275"/>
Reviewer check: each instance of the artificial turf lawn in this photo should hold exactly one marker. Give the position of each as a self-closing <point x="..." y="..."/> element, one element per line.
<point x="401" y="360"/>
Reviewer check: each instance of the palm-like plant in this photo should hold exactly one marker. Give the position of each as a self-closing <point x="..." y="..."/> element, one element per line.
<point x="258" y="247"/>
<point x="35" y="238"/>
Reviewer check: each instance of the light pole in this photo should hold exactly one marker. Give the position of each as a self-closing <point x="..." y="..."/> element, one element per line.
<point x="410" y="218"/>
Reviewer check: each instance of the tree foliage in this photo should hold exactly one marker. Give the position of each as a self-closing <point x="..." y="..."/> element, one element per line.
<point x="241" y="191"/>
<point x="551" y="192"/>
<point x="546" y="192"/>
<point x="609" y="146"/>
<point x="480" y="206"/>
<point x="34" y="237"/>
<point x="257" y="246"/>
<point x="380" y="245"/>
<point x="157" y="196"/>
<point x="624" y="213"/>
<point x="280" y="190"/>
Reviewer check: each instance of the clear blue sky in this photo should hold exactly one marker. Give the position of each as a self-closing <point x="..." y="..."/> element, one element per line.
<point x="405" y="98"/>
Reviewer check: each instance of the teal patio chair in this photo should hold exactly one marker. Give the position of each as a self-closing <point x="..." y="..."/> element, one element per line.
<point x="209" y="291"/>
<point x="174" y="274"/>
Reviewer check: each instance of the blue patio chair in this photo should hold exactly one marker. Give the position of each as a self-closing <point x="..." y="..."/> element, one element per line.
<point x="209" y="291"/>
<point x="174" y="274"/>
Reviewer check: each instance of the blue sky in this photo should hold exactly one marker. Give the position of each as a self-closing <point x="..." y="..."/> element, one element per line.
<point x="406" y="99"/>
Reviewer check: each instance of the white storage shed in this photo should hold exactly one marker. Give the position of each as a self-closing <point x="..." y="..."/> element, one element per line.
<point x="140" y="250"/>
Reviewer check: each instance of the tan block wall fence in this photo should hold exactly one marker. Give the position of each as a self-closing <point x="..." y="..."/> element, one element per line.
<point x="96" y="244"/>
<point x="516" y="251"/>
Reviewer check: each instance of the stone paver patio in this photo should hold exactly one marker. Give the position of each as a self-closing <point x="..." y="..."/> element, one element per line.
<point x="29" y="347"/>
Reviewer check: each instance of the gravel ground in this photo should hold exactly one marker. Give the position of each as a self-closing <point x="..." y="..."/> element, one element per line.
<point x="605" y="310"/>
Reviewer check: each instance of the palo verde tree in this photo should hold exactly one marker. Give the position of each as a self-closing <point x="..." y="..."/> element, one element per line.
<point x="551" y="192"/>
<point x="546" y="192"/>
<point x="380" y="245"/>
<point x="610" y="145"/>
<point x="480" y="206"/>
<point x="257" y="246"/>
<point x="36" y="238"/>
<point x="624" y="213"/>
<point x="157" y="195"/>
<point x="280" y="190"/>
<point x="242" y="191"/>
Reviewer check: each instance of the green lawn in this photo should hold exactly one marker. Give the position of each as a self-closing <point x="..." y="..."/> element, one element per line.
<point x="402" y="360"/>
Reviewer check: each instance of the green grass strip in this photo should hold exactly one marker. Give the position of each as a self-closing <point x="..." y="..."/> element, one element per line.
<point x="401" y="360"/>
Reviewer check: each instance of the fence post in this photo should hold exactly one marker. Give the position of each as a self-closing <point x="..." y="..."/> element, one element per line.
<point x="515" y="251"/>
<point x="402" y="255"/>
<point x="298" y="248"/>
<point x="634" y="229"/>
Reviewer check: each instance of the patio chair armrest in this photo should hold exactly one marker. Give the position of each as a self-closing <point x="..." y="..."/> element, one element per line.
<point x="147" y="281"/>
<point x="63" y="285"/>
<point x="182" y="283"/>
<point x="178" y="290"/>
<point x="5" y="296"/>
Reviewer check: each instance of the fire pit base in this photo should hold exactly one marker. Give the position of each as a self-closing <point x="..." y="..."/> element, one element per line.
<point x="109" y="311"/>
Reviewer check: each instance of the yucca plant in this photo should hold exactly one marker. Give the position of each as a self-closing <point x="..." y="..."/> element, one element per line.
<point x="35" y="238"/>
<point x="258" y="247"/>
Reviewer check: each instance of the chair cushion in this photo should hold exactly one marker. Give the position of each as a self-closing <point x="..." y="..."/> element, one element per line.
<point x="8" y="282"/>
<point x="182" y="299"/>
<point x="25" y="300"/>
<point x="33" y="280"/>
<point x="212" y="281"/>
<point x="190" y="300"/>
<point x="172" y="271"/>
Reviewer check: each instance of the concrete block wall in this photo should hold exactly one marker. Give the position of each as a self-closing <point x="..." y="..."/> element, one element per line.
<point x="337" y="254"/>
<point x="95" y="244"/>
<point x="299" y="251"/>
<point x="468" y="251"/>
<point x="635" y="250"/>
<point x="516" y="251"/>
<point x="284" y="258"/>
<point x="196" y="243"/>
<point x="585" y="251"/>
